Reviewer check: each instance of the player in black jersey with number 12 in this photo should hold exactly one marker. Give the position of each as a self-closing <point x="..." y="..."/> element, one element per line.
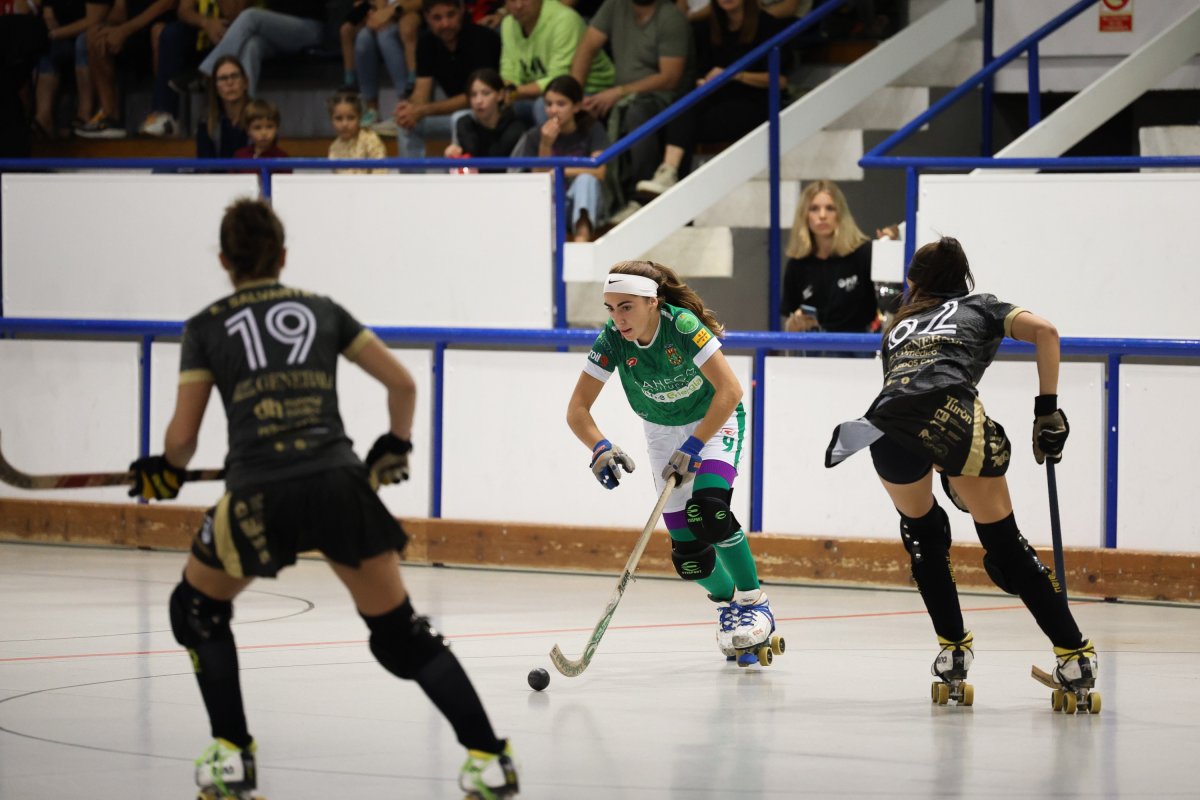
<point x="929" y="416"/>
<point x="294" y="484"/>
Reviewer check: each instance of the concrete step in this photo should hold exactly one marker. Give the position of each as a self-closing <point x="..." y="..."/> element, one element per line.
<point x="1169" y="140"/>
<point x="888" y="109"/>
<point x="948" y="67"/>
<point x="749" y="206"/>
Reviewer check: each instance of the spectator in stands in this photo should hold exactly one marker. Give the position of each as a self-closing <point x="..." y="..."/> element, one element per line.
<point x="353" y="141"/>
<point x="23" y="42"/>
<point x="370" y="35"/>
<point x="447" y="54"/>
<point x="122" y="37"/>
<point x="219" y="134"/>
<point x="198" y="27"/>
<point x="827" y="284"/>
<point x="653" y="56"/>
<point x="260" y="121"/>
<point x="278" y="27"/>
<point x="491" y="130"/>
<point x="67" y="24"/>
<point x="538" y="40"/>
<point x="571" y="131"/>
<point x="733" y="29"/>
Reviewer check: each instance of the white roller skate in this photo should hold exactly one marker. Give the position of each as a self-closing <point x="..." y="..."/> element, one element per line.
<point x="950" y="667"/>
<point x="1073" y="680"/>
<point x="752" y="639"/>
<point x="227" y="772"/>
<point x="489" y="776"/>
<point x="727" y="617"/>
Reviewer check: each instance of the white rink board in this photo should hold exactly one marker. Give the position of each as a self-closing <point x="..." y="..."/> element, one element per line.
<point x="114" y="246"/>
<point x="1098" y="255"/>
<point x="509" y="455"/>
<point x="807" y="397"/>
<point x="363" y="405"/>
<point x="1157" y="458"/>
<point x="419" y="250"/>
<point x="68" y="407"/>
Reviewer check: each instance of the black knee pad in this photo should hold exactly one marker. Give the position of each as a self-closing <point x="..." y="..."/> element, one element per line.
<point x="196" y="618"/>
<point x="927" y="537"/>
<point x="694" y="561"/>
<point x="403" y="642"/>
<point x="709" y="517"/>
<point x="1008" y="558"/>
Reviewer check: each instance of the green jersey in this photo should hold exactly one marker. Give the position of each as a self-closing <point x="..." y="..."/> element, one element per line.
<point x="662" y="380"/>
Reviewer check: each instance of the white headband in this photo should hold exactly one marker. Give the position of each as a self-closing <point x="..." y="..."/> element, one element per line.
<point x="621" y="283"/>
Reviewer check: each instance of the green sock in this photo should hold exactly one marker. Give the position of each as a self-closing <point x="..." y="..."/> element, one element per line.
<point x="719" y="584"/>
<point x="733" y="553"/>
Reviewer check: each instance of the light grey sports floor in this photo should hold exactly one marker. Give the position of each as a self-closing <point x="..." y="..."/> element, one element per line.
<point x="97" y="701"/>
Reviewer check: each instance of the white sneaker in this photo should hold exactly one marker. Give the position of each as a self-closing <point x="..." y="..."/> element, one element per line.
<point x="159" y="123"/>
<point x="664" y="178"/>
<point x="100" y="127"/>
<point x="631" y="208"/>
<point x="386" y="128"/>
<point x="755" y="622"/>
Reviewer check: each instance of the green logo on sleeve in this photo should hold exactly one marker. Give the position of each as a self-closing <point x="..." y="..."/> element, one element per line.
<point x="686" y="322"/>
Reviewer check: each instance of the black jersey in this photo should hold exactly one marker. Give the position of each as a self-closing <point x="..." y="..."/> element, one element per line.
<point x="949" y="345"/>
<point x="272" y="351"/>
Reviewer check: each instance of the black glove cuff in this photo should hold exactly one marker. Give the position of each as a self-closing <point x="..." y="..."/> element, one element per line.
<point x="1045" y="404"/>
<point x="397" y="445"/>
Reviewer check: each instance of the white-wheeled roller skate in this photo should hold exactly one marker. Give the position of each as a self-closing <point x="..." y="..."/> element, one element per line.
<point x="1073" y="680"/>
<point x="225" y="771"/>
<point x="752" y="638"/>
<point x="950" y="668"/>
<point x="489" y="776"/>
<point x="727" y="618"/>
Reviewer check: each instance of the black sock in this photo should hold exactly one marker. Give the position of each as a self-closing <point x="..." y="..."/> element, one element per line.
<point x="216" y="664"/>
<point x="933" y="572"/>
<point x="448" y="686"/>
<point x="1037" y="586"/>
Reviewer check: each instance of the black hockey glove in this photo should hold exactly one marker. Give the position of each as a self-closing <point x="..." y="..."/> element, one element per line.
<point x="388" y="459"/>
<point x="1050" y="429"/>
<point x="155" y="479"/>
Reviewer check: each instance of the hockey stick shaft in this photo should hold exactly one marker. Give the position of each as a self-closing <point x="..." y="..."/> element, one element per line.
<point x="82" y="480"/>
<point x="573" y="668"/>
<point x="1056" y="527"/>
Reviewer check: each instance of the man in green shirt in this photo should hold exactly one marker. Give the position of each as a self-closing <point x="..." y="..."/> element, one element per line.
<point x="653" y="55"/>
<point x="538" y="39"/>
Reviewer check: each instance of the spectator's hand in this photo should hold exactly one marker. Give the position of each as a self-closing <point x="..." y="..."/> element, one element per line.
<point x="601" y="103"/>
<point x="550" y="130"/>
<point x="890" y="232"/>
<point x="491" y="21"/>
<point x="712" y="73"/>
<point x="407" y="115"/>
<point x="115" y="41"/>
<point x="380" y="18"/>
<point x="453" y="151"/>
<point x="799" y="322"/>
<point x="215" y="28"/>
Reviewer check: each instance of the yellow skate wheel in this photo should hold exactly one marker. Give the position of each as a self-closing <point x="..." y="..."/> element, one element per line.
<point x="1069" y="703"/>
<point x="1093" y="702"/>
<point x="1056" y="699"/>
<point x="778" y="645"/>
<point x="941" y="693"/>
<point x="968" y="694"/>
<point x="764" y="656"/>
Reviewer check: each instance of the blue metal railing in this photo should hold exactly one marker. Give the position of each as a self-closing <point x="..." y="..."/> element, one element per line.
<point x="147" y="332"/>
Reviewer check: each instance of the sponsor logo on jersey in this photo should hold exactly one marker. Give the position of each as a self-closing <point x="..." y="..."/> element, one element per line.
<point x="631" y="362"/>
<point x="686" y="323"/>
<point x="672" y="395"/>
<point x="599" y="358"/>
<point x="701" y="338"/>
<point x="673" y="356"/>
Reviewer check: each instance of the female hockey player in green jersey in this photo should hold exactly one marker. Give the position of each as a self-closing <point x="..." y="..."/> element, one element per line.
<point x="665" y="345"/>
<point x="293" y="483"/>
<point x="928" y="415"/>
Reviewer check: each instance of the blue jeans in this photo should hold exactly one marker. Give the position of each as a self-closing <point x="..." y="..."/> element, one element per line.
<point x="63" y="52"/>
<point x="257" y="34"/>
<point x="176" y="51"/>
<point x="369" y="47"/>
<point x="585" y="192"/>
<point x="443" y="126"/>
<point x="531" y="111"/>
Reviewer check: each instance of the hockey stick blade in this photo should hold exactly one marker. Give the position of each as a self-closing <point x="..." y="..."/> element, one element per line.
<point x="1044" y="678"/>
<point x="85" y="480"/>
<point x="572" y="668"/>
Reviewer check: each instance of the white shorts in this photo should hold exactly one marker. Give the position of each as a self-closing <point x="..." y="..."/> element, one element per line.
<point x="724" y="448"/>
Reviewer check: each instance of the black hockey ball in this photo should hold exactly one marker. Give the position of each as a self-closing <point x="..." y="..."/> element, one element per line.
<point x="538" y="679"/>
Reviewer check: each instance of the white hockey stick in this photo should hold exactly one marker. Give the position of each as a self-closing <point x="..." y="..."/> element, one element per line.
<point x="572" y="668"/>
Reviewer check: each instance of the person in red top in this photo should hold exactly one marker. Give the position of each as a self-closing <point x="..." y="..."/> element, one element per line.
<point x="260" y="120"/>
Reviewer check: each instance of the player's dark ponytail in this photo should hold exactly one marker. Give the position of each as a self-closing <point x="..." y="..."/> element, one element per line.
<point x="938" y="271"/>
<point x="252" y="239"/>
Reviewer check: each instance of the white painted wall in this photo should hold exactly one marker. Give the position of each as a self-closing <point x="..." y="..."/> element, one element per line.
<point x="1099" y="255"/>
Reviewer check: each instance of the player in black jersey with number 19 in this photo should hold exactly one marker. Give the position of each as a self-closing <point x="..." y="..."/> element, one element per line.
<point x="294" y="484"/>
<point x="929" y="416"/>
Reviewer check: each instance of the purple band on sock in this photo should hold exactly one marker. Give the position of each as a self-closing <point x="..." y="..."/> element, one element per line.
<point x="718" y="468"/>
<point x="675" y="520"/>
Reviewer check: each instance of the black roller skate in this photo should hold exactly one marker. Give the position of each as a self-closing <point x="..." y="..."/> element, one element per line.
<point x="1073" y="680"/>
<point x="950" y="667"/>
<point x="227" y="772"/>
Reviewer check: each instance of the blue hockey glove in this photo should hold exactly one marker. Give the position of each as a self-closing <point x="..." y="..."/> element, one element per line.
<point x="607" y="463"/>
<point x="685" y="461"/>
